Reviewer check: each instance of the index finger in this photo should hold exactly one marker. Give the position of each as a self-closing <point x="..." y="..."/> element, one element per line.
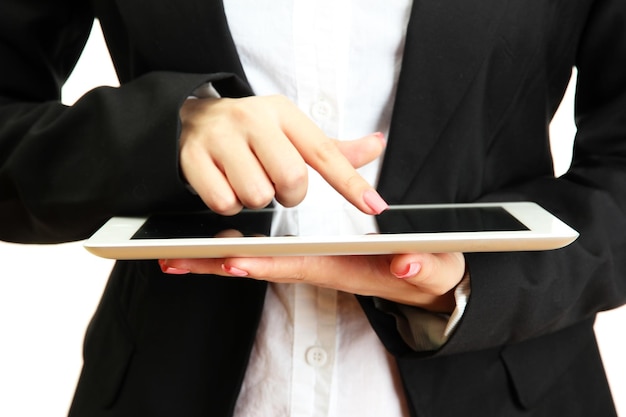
<point x="322" y="154"/>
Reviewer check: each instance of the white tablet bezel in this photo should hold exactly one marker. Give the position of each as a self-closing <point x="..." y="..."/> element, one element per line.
<point x="545" y="232"/>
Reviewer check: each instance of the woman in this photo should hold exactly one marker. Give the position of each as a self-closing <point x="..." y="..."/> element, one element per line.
<point x="475" y="90"/>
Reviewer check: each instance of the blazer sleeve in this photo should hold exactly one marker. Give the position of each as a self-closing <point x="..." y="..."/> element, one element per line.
<point x="65" y="170"/>
<point x="518" y="296"/>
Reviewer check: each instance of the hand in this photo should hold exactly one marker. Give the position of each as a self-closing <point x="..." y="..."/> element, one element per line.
<point x="423" y="280"/>
<point x="247" y="151"/>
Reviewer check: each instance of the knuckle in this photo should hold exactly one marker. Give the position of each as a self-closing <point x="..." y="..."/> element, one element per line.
<point x="224" y="205"/>
<point x="325" y="151"/>
<point x="192" y="150"/>
<point x="279" y="100"/>
<point x="244" y="113"/>
<point x="296" y="276"/>
<point x="257" y="199"/>
<point x="299" y="271"/>
<point x="290" y="180"/>
<point x="353" y="181"/>
<point x="295" y="178"/>
<point x="253" y="105"/>
<point x="290" y="199"/>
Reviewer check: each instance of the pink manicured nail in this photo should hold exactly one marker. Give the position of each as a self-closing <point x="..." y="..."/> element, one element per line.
<point x="411" y="270"/>
<point x="231" y="270"/>
<point x="172" y="270"/>
<point x="381" y="137"/>
<point x="375" y="201"/>
<point x="175" y="271"/>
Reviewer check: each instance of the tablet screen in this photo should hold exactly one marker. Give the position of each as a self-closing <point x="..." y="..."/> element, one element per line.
<point x="395" y="220"/>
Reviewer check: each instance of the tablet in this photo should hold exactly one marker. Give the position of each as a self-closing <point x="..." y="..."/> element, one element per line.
<point x="493" y="227"/>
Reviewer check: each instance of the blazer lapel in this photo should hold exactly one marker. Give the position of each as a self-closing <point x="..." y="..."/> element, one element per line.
<point x="446" y="42"/>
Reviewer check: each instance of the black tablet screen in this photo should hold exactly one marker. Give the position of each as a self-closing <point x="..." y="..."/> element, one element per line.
<point x="395" y="220"/>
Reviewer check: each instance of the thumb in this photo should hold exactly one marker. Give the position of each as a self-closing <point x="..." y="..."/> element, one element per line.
<point x="364" y="150"/>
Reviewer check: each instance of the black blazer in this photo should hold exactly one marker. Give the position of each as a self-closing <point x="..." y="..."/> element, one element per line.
<point x="479" y="84"/>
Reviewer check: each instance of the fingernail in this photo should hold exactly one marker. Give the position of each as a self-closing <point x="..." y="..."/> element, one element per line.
<point x="172" y="270"/>
<point x="231" y="270"/>
<point x="381" y="137"/>
<point x="175" y="271"/>
<point x="411" y="270"/>
<point x="375" y="201"/>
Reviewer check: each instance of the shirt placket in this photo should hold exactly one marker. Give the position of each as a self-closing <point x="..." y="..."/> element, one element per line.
<point x="320" y="58"/>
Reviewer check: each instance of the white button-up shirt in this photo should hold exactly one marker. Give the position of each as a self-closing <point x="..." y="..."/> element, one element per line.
<point x="315" y="353"/>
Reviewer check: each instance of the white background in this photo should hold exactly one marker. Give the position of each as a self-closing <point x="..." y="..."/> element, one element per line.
<point x="48" y="293"/>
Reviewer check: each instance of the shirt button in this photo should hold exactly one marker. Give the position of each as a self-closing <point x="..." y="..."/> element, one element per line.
<point x="316" y="356"/>
<point x="321" y="110"/>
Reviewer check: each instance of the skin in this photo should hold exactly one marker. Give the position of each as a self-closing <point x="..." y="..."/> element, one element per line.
<point x="245" y="152"/>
